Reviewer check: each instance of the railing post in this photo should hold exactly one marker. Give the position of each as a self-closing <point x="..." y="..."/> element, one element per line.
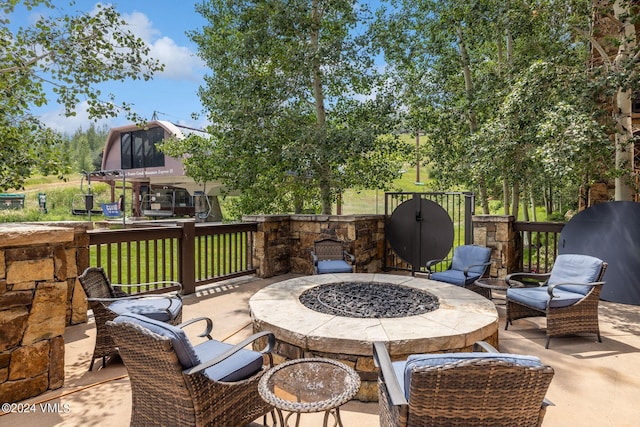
<point x="496" y="232"/>
<point x="187" y="257"/>
<point x="469" y="208"/>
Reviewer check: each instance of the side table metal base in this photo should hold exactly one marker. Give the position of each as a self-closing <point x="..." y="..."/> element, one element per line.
<point x="284" y="420"/>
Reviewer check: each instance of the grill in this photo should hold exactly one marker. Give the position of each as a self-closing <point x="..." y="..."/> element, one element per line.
<point x="367" y="300"/>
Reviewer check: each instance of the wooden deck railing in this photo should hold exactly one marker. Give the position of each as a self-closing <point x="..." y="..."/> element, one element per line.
<point x="202" y="253"/>
<point x="539" y="243"/>
<point x="193" y="254"/>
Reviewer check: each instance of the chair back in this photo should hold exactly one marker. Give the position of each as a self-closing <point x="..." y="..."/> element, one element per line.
<point x="158" y="387"/>
<point x="576" y="268"/>
<point x="329" y="249"/>
<point x="481" y="391"/>
<point x="95" y="283"/>
<point x="467" y="255"/>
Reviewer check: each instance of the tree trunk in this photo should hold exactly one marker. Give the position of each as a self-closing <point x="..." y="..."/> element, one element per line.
<point x="321" y="116"/>
<point x="534" y="215"/>
<point x="516" y="199"/>
<point x="473" y="121"/>
<point x="505" y="196"/>
<point x="624" y="190"/>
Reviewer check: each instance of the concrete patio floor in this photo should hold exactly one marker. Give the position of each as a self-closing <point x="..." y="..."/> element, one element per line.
<point x="595" y="384"/>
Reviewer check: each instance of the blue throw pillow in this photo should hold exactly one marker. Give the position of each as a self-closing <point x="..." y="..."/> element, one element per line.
<point x="184" y="350"/>
<point x="574" y="268"/>
<point x="467" y="255"/>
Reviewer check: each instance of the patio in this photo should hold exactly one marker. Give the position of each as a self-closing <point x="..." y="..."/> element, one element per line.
<point x="594" y="384"/>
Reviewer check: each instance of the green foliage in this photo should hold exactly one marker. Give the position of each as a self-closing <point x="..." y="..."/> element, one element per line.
<point x="85" y="147"/>
<point x="59" y="201"/>
<point x="299" y="111"/>
<point x="501" y="92"/>
<point x="71" y="54"/>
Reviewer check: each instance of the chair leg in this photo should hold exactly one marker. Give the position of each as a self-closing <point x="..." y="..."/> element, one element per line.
<point x="91" y="365"/>
<point x="547" y="344"/>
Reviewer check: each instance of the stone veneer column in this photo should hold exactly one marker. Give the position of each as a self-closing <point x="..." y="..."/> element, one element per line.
<point x="496" y="232"/>
<point x="283" y="243"/>
<point x="271" y="244"/>
<point x="363" y="236"/>
<point x="37" y="271"/>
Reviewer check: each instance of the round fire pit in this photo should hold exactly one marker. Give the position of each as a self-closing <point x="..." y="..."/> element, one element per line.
<point x="345" y="318"/>
<point x="368" y="300"/>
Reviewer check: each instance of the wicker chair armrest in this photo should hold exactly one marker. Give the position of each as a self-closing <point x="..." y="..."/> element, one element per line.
<point x="130" y="297"/>
<point x="208" y="328"/>
<point x="519" y="277"/>
<point x="107" y="300"/>
<point x="314" y="258"/>
<point x="433" y="262"/>
<point x="468" y="267"/>
<point x="169" y="298"/>
<point x="383" y="361"/>
<point x="484" y="346"/>
<point x="163" y="286"/>
<point x="351" y="257"/>
<point x="271" y="341"/>
<point x="550" y="288"/>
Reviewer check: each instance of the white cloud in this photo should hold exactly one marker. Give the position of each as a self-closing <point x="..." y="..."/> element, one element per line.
<point x="141" y="26"/>
<point x="55" y="119"/>
<point x="181" y="63"/>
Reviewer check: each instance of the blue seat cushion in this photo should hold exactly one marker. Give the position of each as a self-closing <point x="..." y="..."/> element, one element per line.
<point x="574" y="268"/>
<point x="334" y="266"/>
<point x="152" y="307"/>
<point x="467" y="255"/>
<point x="455" y="277"/>
<point x="236" y="367"/>
<point x="184" y="350"/>
<point x="404" y="370"/>
<point x="539" y="297"/>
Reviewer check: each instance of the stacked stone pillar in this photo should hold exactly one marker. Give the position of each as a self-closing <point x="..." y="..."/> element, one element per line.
<point x="496" y="232"/>
<point x="38" y="274"/>
<point x="283" y="243"/>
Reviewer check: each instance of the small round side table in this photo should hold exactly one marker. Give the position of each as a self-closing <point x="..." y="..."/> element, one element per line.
<point x="487" y="284"/>
<point x="309" y="385"/>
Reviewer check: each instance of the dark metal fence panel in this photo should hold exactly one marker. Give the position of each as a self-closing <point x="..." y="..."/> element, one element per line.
<point x="459" y="206"/>
<point x="193" y="254"/>
<point x="539" y="244"/>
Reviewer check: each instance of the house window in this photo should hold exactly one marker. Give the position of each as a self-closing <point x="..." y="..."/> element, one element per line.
<point x="139" y="149"/>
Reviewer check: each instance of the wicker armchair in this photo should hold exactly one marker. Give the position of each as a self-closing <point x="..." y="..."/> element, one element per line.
<point x="568" y="297"/>
<point x="462" y="389"/>
<point x="108" y="300"/>
<point x="469" y="263"/>
<point x="176" y="384"/>
<point x="329" y="256"/>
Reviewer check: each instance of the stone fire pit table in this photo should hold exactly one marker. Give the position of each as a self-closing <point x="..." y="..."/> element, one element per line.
<point x="462" y="318"/>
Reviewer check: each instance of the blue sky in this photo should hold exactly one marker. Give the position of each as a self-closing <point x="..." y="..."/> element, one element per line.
<point x="162" y="24"/>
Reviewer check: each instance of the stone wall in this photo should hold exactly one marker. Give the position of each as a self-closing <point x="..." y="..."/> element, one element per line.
<point x="496" y="232"/>
<point x="38" y="274"/>
<point x="283" y="243"/>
